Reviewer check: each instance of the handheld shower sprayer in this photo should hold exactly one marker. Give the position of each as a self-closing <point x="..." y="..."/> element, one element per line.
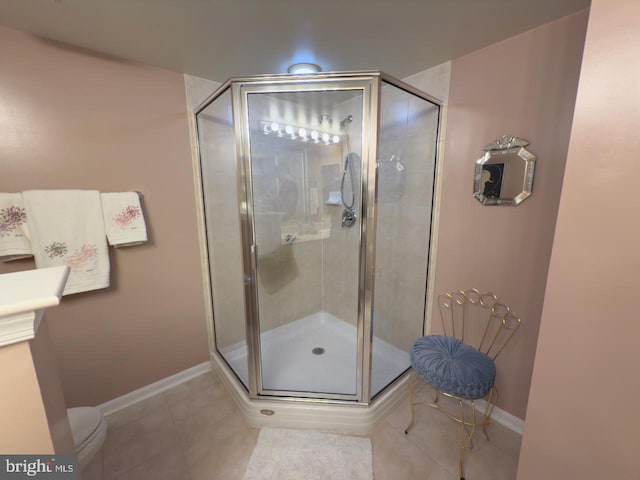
<point x="349" y="214"/>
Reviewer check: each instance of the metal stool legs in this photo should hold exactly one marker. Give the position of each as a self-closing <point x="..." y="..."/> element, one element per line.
<point x="467" y="425"/>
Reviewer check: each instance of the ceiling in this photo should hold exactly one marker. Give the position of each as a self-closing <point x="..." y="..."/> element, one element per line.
<point x="218" y="39"/>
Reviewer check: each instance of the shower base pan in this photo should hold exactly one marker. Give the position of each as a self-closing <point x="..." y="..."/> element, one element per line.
<point x="314" y="354"/>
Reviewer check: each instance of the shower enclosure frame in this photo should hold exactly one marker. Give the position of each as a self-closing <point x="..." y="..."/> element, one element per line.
<point x="370" y="83"/>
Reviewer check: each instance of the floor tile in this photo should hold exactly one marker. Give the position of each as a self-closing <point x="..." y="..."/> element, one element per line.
<point x="208" y="399"/>
<point x="203" y="419"/>
<point x="95" y="469"/>
<point x="395" y="457"/>
<point x="227" y="458"/>
<point x="209" y="439"/>
<point x="501" y="437"/>
<point x="491" y="463"/>
<point x="167" y="466"/>
<point x="132" y="444"/>
<point x="194" y="432"/>
<point x="437" y="434"/>
<point x="191" y="387"/>
<point x="135" y="412"/>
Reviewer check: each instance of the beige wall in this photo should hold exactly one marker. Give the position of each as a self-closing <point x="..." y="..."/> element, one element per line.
<point x="48" y="375"/>
<point x="22" y="414"/>
<point x="524" y="86"/>
<point x="582" y="418"/>
<point x="74" y="119"/>
<point x="435" y="81"/>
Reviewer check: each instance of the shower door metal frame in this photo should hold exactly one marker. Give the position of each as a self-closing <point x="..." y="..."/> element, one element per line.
<point x="368" y="85"/>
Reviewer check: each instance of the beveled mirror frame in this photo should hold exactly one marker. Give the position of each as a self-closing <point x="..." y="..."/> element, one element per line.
<point x="506" y="148"/>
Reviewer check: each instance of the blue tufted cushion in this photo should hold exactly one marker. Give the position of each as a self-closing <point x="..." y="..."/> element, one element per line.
<point x="453" y="367"/>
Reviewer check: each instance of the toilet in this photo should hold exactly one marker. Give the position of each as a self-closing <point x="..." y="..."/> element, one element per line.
<point x="89" y="430"/>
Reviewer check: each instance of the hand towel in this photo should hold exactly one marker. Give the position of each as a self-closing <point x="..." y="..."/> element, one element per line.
<point x="123" y="219"/>
<point x="14" y="235"/>
<point x="67" y="229"/>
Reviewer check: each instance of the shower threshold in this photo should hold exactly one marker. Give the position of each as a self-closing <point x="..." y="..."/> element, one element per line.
<point x="317" y="353"/>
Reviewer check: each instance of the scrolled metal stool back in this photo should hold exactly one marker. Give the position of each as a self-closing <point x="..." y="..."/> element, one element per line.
<point x="499" y="324"/>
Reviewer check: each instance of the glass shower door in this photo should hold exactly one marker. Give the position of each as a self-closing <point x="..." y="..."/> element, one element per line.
<point x="220" y="203"/>
<point x="305" y="151"/>
<point x="406" y="168"/>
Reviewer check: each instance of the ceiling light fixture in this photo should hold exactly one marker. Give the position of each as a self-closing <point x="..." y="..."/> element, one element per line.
<point x="298" y="133"/>
<point x="304" y="68"/>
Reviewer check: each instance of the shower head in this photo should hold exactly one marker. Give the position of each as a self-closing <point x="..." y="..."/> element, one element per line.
<point x="347" y="119"/>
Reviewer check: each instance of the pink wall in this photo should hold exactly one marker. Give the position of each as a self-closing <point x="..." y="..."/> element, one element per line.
<point x="582" y="420"/>
<point x="523" y="86"/>
<point x="22" y="413"/>
<point x="51" y="394"/>
<point x="75" y="119"/>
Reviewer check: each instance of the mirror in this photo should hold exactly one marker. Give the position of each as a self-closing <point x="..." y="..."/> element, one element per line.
<point x="504" y="174"/>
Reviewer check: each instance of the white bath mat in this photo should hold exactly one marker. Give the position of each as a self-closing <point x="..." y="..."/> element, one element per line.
<point x="282" y="454"/>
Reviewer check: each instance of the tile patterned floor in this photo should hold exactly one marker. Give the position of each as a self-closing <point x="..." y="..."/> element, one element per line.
<point x="193" y="432"/>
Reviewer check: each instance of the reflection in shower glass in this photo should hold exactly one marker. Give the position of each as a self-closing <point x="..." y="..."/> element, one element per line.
<point x="307" y="265"/>
<point x="406" y="166"/>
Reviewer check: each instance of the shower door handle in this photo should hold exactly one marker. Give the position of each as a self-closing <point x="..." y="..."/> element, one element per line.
<point x="248" y="278"/>
<point x="254" y="259"/>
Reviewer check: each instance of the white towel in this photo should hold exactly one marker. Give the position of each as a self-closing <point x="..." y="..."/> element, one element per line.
<point x="67" y="229"/>
<point x="14" y="234"/>
<point x="123" y="219"/>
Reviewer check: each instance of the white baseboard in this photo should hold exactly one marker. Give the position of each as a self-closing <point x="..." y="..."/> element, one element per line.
<point x="143" y="393"/>
<point x="505" y="418"/>
<point x="502" y="417"/>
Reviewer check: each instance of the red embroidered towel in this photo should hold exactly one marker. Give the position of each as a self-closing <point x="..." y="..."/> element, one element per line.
<point x="123" y="219"/>
<point x="66" y="228"/>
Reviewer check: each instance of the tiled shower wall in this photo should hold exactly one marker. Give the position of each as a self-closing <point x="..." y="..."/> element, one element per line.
<point x="341" y="250"/>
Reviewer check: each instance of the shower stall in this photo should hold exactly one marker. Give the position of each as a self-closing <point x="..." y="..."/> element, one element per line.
<point x="317" y="196"/>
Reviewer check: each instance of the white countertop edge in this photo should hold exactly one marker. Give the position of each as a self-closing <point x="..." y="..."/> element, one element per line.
<point x="31" y="290"/>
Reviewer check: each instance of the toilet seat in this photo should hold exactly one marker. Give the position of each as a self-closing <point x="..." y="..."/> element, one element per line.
<point x="89" y="431"/>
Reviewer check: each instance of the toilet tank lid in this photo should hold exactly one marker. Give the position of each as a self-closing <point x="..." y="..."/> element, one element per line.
<point x="83" y="422"/>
